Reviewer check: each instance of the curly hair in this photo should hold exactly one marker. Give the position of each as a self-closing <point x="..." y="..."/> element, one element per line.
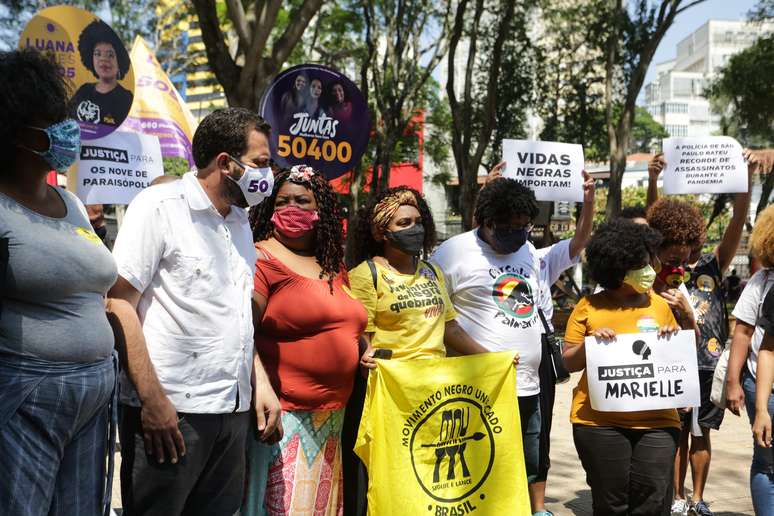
<point x="329" y="249"/>
<point x="26" y="77"/>
<point x="503" y="198"/>
<point x="762" y="237"/>
<point x="100" y="32"/>
<point x="617" y="247"/>
<point x="679" y="222"/>
<point x="362" y="244"/>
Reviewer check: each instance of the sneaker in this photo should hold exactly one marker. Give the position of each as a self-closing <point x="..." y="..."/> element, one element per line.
<point x="680" y="508"/>
<point x="543" y="513"/>
<point x="701" y="509"/>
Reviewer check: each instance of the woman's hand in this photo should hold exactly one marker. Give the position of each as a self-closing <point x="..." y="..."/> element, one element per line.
<point x="604" y="334"/>
<point x="655" y="166"/>
<point x="516" y="359"/>
<point x="734" y="397"/>
<point x="762" y="428"/>
<point x="496" y="172"/>
<point x="367" y="361"/>
<point x="679" y="303"/>
<point x="668" y="330"/>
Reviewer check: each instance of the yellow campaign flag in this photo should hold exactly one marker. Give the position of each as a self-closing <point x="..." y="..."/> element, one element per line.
<point x="158" y="108"/>
<point x="442" y="437"/>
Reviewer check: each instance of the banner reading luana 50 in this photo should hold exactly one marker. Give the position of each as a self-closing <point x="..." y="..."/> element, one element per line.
<point x="93" y="58"/>
<point x="318" y="118"/>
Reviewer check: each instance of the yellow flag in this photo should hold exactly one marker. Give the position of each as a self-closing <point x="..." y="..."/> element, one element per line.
<point x="158" y="108"/>
<point x="442" y="437"/>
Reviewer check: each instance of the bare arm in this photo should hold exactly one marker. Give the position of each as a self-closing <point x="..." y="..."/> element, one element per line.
<point x="655" y="166"/>
<point x="158" y="415"/>
<point x="726" y="249"/>
<point x="268" y="411"/>
<point x="574" y="356"/>
<point x="456" y="338"/>
<point x="586" y="219"/>
<point x="740" y="348"/>
<point x="764" y="378"/>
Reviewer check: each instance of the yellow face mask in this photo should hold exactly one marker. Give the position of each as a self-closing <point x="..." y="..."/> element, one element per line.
<point x="641" y="280"/>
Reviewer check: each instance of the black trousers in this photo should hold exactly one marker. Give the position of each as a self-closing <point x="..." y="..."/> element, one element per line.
<point x="547" y="398"/>
<point x="354" y="471"/>
<point x="208" y="480"/>
<point x="629" y="471"/>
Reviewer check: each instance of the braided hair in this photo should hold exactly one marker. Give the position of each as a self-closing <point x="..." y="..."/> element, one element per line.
<point x="362" y="244"/>
<point x="328" y="244"/>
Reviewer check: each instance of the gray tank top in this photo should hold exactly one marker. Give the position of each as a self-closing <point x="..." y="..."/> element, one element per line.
<point x="54" y="274"/>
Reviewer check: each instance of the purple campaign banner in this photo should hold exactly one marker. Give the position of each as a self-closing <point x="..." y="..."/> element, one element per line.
<point x="318" y="118"/>
<point x="174" y="142"/>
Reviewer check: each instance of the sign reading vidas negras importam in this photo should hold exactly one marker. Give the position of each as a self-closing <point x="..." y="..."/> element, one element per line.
<point x="553" y="170"/>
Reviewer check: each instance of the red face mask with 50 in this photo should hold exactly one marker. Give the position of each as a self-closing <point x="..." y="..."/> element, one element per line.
<point x="294" y="222"/>
<point x="671" y="275"/>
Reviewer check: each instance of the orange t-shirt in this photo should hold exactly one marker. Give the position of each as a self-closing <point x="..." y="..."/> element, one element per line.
<point x="308" y="340"/>
<point x="595" y="312"/>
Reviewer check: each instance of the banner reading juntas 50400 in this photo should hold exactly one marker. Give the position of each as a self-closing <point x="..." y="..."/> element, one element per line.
<point x="442" y="437"/>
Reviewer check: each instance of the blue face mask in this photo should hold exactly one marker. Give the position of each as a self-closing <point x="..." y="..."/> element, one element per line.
<point x="64" y="144"/>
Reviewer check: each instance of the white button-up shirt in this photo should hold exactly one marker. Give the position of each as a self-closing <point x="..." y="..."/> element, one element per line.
<point x="195" y="271"/>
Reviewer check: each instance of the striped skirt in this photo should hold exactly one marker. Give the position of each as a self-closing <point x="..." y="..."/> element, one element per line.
<point x="300" y="475"/>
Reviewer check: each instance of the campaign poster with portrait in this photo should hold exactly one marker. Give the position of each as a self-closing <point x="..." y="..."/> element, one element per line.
<point x="318" y="118"/>
<point x="93" y="59"/>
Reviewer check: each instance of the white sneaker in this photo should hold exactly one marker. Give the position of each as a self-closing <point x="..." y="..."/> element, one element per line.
<point x="680" y="507"/>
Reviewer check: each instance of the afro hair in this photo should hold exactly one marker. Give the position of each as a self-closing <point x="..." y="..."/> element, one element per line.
<point x="617" y="247"/>
<point x="678" y="222"/>
<point x="100" y="32"/>
<point x="762" y="238"/>
<point x="502" y="199"/>
<point x="634" y="212"/>
<point x="26" y="77"/>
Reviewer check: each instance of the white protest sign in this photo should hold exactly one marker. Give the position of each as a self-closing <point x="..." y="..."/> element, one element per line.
<point x="554" y="171"/>
<point x="641" y="371"/>
<point x="711" y="164"/>
<point x="114" y="169"/>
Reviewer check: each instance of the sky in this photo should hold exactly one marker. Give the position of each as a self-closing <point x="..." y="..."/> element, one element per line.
<point x="693" y="18"/>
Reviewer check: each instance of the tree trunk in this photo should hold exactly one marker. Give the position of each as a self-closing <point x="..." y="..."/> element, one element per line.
<point x="468" y="194"/>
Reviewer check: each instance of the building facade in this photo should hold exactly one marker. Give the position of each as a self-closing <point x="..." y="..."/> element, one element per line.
<point x="676" y="98"/>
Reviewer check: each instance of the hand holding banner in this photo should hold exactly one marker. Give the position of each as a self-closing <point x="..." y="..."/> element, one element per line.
<point x="554" y="171"/>
<point x="711" y="164"/>
<point x="642" y="371"/>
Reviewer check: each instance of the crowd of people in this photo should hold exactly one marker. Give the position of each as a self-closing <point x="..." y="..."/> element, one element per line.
<point x="229" y="335"/>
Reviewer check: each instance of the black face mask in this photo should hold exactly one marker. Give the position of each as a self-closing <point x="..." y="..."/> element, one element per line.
<point x="101" y="233"/>
<point x="410" y="240"/>
<point x="510" y="240"/>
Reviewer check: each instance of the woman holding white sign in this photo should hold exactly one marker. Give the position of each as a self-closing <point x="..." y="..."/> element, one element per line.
<point x="633" y="475"/>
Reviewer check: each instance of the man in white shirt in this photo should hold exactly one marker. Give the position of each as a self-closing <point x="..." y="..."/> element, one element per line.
<point x="186" y="261"/>
<point x="493" y="278"/>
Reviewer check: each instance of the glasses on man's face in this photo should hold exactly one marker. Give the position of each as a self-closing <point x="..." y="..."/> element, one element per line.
<point x="107" y="54"/>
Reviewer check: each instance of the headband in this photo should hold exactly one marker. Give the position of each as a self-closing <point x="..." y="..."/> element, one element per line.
<point x="301" y="173"/>
<point x="386" y="208"/>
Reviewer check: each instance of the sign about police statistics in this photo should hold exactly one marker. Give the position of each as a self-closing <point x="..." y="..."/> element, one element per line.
<point x="711" y="164"/>
<point x="113" y="169"/>
<point x="554" y="171"/>
<point x="641" y="371"/>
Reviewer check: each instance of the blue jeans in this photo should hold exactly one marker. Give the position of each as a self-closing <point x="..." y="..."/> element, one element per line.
<point x="762" y="467"/>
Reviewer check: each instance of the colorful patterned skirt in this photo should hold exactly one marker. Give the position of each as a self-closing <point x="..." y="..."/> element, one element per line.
<point x="300" y="475"/>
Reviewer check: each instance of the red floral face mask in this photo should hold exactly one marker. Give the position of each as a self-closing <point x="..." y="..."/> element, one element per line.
<point x="671" y="275"/>
<point x="294" y="222"/>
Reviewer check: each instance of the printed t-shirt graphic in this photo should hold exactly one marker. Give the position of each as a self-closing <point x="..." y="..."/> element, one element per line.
<point x="496" y="298"/>
<point x="407" y="312"/>
<point x="447" y="439"/>
<point x="705" y="284"/>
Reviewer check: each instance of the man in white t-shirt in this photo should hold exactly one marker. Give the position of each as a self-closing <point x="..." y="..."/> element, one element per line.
<point x="493" y="278"/>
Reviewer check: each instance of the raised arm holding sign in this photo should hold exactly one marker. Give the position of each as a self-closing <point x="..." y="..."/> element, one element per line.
<point x="554" y="171"/>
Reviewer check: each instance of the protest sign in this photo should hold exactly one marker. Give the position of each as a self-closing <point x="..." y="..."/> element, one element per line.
<point x="93" y="59"/>
<point x="554" y="171"/>
<point x="443" y="436"/>
<point x="318" y="118"/>
<point x="113" y="169"/>
<point x="711" y="164"/>
<point x="641" y="371"/>
<point x="158" y="108"/>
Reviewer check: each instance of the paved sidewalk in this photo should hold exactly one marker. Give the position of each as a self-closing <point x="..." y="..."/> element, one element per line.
<point x="727" y="491"/>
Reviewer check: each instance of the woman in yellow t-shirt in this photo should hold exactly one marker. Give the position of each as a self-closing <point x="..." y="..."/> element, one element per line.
<point x="410" y="315"/>
<point x="627" y="456"/>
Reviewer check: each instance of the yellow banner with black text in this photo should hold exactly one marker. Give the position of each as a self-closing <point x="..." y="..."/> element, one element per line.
<point x="442" y="437"/>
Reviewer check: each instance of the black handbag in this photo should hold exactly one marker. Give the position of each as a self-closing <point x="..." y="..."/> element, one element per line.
<point x="554" y="351"/>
